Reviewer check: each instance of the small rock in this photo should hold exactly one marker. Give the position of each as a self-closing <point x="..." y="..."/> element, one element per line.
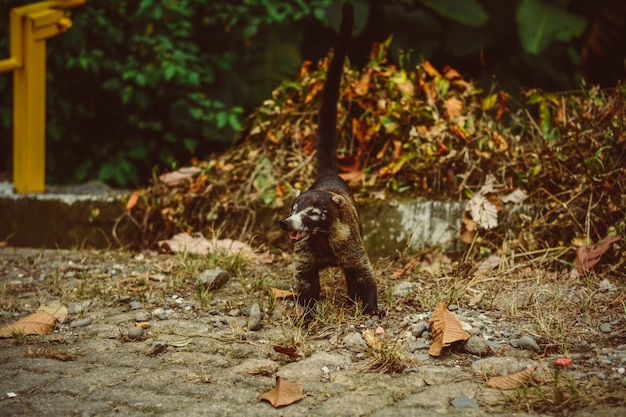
<point x="254" y="320"/>
<point x="80" y="323"/>
<point x="418" y="328"/>
<point x="465" y="402"/>
<point x="404" y="288"/>
<point x="159" y="313"/>
<point x="453" y="307"/>
<point x="525" y="342"/>
<point x="135" y="333"/>
<point x="135" y="305"/>
<point x="235" y="312"/>
<point x="477" y="345"/>
<point x="605" y="328"/>
<point x="213" y="278"/>
<point x="251" y="336"/>
<point x="354" y="342"/>
<point x="142" y="316"/>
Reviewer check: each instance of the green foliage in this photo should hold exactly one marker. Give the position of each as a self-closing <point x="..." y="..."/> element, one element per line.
<point x="157" y="82"/>
<point x="540" y="24"/>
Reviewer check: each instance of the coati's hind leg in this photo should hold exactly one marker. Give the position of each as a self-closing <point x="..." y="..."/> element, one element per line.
<point x="361" y="284"/>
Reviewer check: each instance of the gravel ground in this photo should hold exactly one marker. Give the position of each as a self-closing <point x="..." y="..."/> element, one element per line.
<point x="142" y="338"/>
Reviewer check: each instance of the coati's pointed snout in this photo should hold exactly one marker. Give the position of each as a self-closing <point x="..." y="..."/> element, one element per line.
<point x="284" y="224"/>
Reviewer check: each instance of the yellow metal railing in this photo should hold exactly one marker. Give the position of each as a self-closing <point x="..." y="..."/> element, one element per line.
<point x="30" y="26"/>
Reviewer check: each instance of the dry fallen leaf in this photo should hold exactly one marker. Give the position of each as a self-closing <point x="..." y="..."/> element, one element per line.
<point x="56" y="309"/>
<point x="373" y="341"/>
<point x="589" y="255"/>
<point x="175" y="178"/>
<point x="132" y="200"/>
<point x="284" y="393"/>
<point x="482" y="211"/>
<point x="185" y="243"/>
<point x="512" y="381"/>
<point x="292" y="352"/>
<point x="278" y="294"/>
<point x="446" y="329"/>
<point x="37" y="323"/>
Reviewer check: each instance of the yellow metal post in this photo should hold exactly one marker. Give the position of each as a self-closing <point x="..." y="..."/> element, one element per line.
<point x="31" y="25"/>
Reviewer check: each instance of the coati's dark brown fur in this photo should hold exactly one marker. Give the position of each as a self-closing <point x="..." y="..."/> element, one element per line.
<point x="324" y="222"/>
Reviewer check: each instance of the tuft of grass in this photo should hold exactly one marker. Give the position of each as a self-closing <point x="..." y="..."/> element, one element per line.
<point x="388" y="356"/>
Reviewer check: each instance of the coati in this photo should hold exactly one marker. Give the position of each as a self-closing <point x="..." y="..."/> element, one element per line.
<point x="324" y="223"/>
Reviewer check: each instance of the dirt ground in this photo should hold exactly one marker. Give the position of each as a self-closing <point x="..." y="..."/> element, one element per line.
<point x="143" y="337"/>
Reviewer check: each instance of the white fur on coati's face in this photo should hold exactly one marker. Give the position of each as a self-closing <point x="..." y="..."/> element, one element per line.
<point x="312" y="212"/>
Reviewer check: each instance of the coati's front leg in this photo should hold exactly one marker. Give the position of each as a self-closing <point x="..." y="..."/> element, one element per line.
<point x="361" y="283"/>
<point x="307" y="279"/>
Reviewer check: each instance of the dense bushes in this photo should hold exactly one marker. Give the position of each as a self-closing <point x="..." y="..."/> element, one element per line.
<point x="138" y="84"/>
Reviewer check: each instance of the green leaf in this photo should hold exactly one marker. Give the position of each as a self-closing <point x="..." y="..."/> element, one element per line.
<point x="468" y="12"/>
<point x="540" y="24"/>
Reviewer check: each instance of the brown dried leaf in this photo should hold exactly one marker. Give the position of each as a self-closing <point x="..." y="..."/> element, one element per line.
<point x="430" y="69"/>
<point x="454" y="107"/>
<point x="589" y="255"/>
<point x="56" y="309"/>
<point x="363" y="86"/>
<point x="446" y="329"/>
<point x="469" y="228"/>
<point x="37" y="323"/>
<point x="284" y="393"/>
<point x="512" y="381"/>
<point x="292" y="352"/>
<point x="278" y="294"/>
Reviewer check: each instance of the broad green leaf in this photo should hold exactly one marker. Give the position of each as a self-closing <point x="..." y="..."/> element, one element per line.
<point x="539" y="24"/>
<point x="468" y="12"/>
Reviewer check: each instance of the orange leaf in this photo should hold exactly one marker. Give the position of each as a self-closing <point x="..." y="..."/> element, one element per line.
<point x="564" y="362"/>
<point x="37" y="323"/>
<point x="446" y="329"/>
<point x="361" y="88"/>
<point x="284" y="393"/>
<point x="512" y="381"/>
<point x="450" y="73"/>
<point x="430" y="70"/>
<point x="132" y="200"/>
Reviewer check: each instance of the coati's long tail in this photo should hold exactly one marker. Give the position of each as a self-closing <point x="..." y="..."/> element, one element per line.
<point x="327" y="135"/>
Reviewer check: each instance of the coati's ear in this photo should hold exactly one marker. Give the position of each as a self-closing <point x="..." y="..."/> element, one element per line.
<point x="298" y="193"/>
<point x="339" y="200"/>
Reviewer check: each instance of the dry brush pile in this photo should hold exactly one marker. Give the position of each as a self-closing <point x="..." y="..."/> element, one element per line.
<point x="417" y="133"/>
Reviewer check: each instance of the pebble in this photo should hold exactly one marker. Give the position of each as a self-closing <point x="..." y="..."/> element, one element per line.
<point x="354" y="342"/>
<point x="135" y="305"/>
<point x="525" y="342"/>
<point x="159" y="313"/>
<point x="453" y="307"/>
<point x="213" y="279"/>
<point x="142" y="316"/>
<point x="418" y="328"/>
<point x="254" y="319"/>
<point x="135" y="333"/>
<point x="465" y="402"/>
<point x="477" y="345"/>
<point x="404" y="288"/>
<point x="80" y="323"/>
<point x="605" y="328"/>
